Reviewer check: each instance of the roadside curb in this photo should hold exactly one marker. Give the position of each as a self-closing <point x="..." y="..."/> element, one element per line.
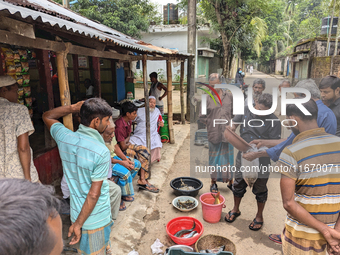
<point x="276" y="77"/>
<point x="129" y="227"/>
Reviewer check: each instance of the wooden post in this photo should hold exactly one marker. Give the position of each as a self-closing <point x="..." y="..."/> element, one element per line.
<point x="76" y="76"/>
<point x="147" y="110"/>
<point x="169" y="97"/>
<point x="182" y="93"/>
<point x="191" y="60"/>
<point x="45" y="76"/>
<point x="1" y="69"/>
<point x="45" y="81"/>
<point x="96" y="76"/>
<point x="64" y="88"/>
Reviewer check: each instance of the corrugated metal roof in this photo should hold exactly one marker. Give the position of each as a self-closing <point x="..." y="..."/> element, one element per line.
<point x="54" y="14"/>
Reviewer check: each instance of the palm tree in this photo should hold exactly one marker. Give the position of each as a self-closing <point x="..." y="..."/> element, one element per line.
<point x="290" y="10"/>
<point x="260" y="32"/>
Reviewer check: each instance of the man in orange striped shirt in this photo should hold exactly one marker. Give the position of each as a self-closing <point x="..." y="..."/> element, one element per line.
<point x="310" y="179"/>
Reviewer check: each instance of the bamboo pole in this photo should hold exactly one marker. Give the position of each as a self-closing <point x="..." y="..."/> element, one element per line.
<point x="147" y="109"/>
<point x="64" y="88"/>
<point x="169" y="97"/>
<point x="182" y="93"/>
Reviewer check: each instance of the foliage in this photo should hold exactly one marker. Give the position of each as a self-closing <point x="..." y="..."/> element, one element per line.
<point x="161" y="75"/>
<point x="127" y="16"/>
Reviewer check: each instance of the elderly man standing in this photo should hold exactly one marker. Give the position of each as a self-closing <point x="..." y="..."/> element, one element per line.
<point x="139" y="135"/>
<point x="259" y="86"/>
<point x="310" y="186"/>
<point x="221" y="153"/>
<point x="16" y="157"/>
<point x="86" y="162"/>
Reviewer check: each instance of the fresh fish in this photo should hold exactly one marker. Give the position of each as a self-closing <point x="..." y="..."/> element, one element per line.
<point x="191" y="234"/>
<point x="216" y="250"/>
<point x="217" y="198"/>
<point x="185" y="231"/>
<point x="186" y="204"/>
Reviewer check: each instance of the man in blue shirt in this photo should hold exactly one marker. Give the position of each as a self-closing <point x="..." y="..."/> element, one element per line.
<point x="86" y="162"/>
<point x="326" y="119"/>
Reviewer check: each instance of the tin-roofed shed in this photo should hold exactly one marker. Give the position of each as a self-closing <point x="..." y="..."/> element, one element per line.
<point x="42" y="39"/>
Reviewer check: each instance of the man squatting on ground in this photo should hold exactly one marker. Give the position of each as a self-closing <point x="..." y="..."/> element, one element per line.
<point x="310" y="186"/>
<point x="270" y="130"/>
<point x="86" y="162"/>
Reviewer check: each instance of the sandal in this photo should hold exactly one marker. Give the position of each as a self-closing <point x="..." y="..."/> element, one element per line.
<point x="122" y="203"/>
<point x="148" y="187"/>
<point x="235" y="214"/>
<point x="275" y="238"/>
<point x="254" y="224"/>
<point x="213" y="188"/>
<point x="126" y="200"/>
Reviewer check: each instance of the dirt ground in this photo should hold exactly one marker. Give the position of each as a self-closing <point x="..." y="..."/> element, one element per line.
<point x="246" y="241"/>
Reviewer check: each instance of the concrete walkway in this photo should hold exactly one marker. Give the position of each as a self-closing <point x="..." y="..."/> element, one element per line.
<point x="130" y="225"/>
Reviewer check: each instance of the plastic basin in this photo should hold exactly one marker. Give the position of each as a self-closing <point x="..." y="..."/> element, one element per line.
<point x="180" y="223"/>
<point x="176" y="184"/>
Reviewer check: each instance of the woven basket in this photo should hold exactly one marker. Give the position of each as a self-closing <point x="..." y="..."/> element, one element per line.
<point x="214" y="241"/>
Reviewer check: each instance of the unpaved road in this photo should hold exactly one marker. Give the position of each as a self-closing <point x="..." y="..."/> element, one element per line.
<point x="246" y="241"/>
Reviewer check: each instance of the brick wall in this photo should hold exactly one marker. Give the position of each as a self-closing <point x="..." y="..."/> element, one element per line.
<point x="322" y="65"/>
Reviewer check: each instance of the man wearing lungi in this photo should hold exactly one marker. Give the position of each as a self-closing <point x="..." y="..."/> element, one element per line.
<point x="140" y="152"/>
<point x="221" y="153"/>
<point x="86" y="161"/>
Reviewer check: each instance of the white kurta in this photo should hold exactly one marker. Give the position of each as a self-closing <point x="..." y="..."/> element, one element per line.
<point x="139" y="136"/>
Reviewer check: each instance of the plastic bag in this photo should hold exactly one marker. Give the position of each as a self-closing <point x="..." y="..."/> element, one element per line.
<point x="133" y="253"/>
<point x="156" y="247"/>
<point x="251" y="169"/>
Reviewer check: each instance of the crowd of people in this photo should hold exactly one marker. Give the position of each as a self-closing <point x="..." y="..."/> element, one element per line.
<point x="100" y="161"/>
<point x="307" y="156"/>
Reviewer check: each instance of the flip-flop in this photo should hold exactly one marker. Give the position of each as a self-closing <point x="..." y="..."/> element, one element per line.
<point x="148" y="187"/>
<point x="255" y="223"/>
<point x="275" y="238"/>
<point x="213" y="188"/>
<point x="231" y="214"/>
<point x="122" y="209"/>
<point x="124" y="199"/>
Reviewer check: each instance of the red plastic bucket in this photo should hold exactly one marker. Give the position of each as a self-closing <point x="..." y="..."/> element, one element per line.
<point x="180" y="223"/>
<point x="211" y="212"/>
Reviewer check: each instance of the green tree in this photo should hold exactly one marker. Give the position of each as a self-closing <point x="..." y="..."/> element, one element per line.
<point x="127" y="16"/>
<point x="232" y="19"/>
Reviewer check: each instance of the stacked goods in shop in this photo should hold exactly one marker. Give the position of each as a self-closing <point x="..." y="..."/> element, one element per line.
<point x="16" y="65"/>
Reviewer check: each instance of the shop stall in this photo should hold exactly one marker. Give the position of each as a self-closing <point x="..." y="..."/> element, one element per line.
<point x="51" y="51"/>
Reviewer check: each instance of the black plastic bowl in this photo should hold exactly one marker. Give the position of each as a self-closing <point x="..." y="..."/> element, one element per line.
<point x="176" y="184"/>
